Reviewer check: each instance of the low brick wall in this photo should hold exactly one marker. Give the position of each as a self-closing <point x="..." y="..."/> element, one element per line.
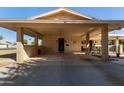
<point x="31" y="51"/>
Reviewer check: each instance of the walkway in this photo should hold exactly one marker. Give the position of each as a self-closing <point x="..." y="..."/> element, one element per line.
<point x="63" y="69"/>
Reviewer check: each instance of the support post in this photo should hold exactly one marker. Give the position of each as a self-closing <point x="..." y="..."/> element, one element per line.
<point x="87" y="43"/>
<point x="20" y="48"/>
<point x="36" y="40"/>
<point x="104" y="42"/>
<point x="121" y="49"/>
<point x="117" y="47"/>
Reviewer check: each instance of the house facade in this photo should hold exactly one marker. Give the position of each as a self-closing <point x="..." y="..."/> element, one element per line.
<point x="62" y="30"/>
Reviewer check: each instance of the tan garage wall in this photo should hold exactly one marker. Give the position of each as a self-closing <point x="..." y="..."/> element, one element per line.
<point x="74" y="44"/>
<point x="51" y="42"/>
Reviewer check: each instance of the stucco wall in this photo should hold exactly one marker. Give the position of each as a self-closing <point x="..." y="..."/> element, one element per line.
<point x="51" y="42"/>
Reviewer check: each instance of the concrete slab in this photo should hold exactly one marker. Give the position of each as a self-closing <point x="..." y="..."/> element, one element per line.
<point x="63" y="70"/>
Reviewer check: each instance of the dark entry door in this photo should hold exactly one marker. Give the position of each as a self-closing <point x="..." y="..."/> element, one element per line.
<point x="61" y="44"/>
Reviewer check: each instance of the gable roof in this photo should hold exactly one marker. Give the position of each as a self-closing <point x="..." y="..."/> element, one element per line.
<point x="66" y="10"/>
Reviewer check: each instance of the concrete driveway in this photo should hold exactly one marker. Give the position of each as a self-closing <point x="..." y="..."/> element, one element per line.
<point x="63" y="69"/>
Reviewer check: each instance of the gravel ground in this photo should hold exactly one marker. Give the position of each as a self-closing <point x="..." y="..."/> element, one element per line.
<point x="63" y="70"/>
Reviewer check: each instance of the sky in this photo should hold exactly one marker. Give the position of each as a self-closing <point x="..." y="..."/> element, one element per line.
<point x="26" y="12"/>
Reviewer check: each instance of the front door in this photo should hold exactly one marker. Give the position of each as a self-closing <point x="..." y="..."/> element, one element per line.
<point x="61" y="44"/>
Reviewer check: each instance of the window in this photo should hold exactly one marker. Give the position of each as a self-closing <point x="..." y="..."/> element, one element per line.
<point x="28" y="40"/>
<point x="121" y="42"/>
<point x="83" y="42"/>
<point x="39" y="40"/>
<point x="111" y="42"/>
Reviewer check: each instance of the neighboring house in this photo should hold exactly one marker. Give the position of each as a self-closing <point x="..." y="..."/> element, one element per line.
<point x="115" y="42"/>
<point x="6" y="44"/>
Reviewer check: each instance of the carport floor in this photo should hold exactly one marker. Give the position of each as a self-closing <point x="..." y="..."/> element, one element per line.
<point x="65" y="70"/>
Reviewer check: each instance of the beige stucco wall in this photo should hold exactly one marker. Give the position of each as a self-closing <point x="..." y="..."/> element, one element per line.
<point x="51" y="42"/>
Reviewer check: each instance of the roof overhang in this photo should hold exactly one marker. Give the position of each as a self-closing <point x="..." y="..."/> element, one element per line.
<point x="112" y="24"/>
<point x="61" y="21"/>
<point x="78" y="27"/>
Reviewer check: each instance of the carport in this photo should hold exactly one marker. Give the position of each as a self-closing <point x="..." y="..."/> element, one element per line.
<point x="52" y="30"/>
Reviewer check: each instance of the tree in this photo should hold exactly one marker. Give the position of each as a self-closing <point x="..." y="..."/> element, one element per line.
<point x="25" y="41"/>
<point x="40" y="37"/>
<point x="32" y="43"/>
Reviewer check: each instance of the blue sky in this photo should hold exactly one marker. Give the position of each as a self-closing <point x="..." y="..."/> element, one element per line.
<point x="23" y="13"/>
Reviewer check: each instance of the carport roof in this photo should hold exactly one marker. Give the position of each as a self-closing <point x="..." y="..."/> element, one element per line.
<point x="46" y="19"/>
